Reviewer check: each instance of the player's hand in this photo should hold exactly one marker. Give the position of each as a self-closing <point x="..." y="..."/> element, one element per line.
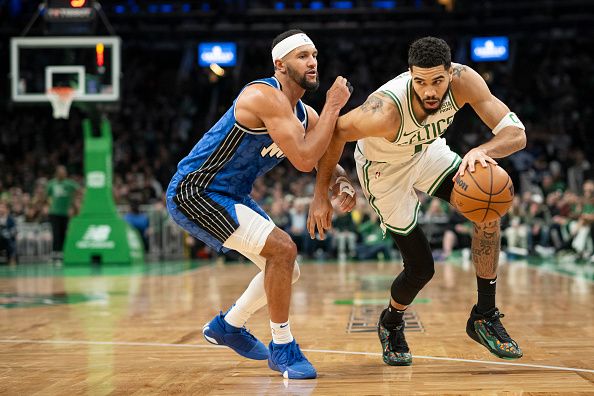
<point x="339" y="93"/>
<point x="473" y="156"/>
<point x="343" y="194"/>
<point x="320" y="216"/>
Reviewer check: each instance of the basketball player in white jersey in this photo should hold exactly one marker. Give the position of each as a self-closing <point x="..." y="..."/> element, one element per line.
<point x="400" y="149"/>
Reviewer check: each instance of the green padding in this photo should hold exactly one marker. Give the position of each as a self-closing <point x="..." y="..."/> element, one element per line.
<point x="98" y="234"/>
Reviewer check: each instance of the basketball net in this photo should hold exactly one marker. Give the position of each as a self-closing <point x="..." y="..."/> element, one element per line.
<point x="61" y="99"/>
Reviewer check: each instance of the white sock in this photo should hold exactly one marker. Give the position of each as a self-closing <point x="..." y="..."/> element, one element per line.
<point x="237" y="316"/>
<point x="252" y="299"/>
<point x="281" y="332"/>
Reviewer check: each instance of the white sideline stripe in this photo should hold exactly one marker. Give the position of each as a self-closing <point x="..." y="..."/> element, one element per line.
<point x="156" y="344"/>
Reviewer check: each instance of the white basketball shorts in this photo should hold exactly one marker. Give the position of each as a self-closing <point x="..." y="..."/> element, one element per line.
<point x="390" y="187"/>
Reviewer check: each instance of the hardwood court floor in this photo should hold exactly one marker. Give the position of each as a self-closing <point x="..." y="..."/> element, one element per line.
<point x="64" y="332"/>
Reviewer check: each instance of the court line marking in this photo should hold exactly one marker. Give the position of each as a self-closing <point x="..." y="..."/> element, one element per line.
<point x="156" y="344"/>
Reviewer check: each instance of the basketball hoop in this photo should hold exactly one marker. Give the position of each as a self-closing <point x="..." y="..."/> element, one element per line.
<point x="61" y="99"/>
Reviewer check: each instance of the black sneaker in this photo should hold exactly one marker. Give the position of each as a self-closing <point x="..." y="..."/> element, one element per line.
<point x="488" y="330"/>
<point x="395" y="350"/>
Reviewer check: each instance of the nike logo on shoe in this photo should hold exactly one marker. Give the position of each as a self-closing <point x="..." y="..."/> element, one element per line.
<point x="493" y="281"/>
<point x="283" y="326"/>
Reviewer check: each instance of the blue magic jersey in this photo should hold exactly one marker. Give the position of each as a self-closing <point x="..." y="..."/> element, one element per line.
<point x="219" y="172"/>
<point x="230" y="157"/>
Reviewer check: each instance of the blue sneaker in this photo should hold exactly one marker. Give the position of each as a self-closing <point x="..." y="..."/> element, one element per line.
<point x="288" y="359"/>
<point x="219" y="332"/>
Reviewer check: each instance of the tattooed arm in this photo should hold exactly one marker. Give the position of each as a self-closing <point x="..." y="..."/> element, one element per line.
<point x="378" y="116"/>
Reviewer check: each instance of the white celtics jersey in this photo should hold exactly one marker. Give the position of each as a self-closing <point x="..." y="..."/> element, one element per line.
<point x="413" y="136"/>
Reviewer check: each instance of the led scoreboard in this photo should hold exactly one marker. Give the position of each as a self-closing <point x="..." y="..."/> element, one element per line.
<point x="69" y="10"/>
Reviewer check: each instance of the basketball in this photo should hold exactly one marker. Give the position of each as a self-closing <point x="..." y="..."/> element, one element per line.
<point x="483" y="195"/>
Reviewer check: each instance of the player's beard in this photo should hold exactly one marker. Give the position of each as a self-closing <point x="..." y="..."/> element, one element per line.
<point x="302" y="80"/>
<point x="435" y="110"/>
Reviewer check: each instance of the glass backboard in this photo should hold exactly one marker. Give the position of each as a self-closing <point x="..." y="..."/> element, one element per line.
<point x="89" y="65"/>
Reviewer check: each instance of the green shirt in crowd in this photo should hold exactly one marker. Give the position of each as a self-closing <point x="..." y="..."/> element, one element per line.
<point x="61" y="194"/>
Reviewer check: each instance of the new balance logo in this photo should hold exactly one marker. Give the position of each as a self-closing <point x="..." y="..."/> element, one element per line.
<point x="96" y="237"/>
<point x="273" y="151"/>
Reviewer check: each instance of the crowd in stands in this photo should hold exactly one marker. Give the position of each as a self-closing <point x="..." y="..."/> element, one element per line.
<point x="167" y="104"/>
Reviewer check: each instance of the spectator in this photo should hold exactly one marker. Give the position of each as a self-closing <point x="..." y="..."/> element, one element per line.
<point x="8" y="233"/>
<point x="60" y="192"/>
<point x="139" y="221"/>
<point x="576" y="174"/>
<point x="344" y="235"/>
<point x="373" y="245"/>
<point x="582" y="229"/>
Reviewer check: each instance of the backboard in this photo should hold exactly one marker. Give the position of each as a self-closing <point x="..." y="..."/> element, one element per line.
<point x="89" y="65"/>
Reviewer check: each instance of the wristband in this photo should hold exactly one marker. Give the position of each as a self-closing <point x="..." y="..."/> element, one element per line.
<point x="345" y="186"/>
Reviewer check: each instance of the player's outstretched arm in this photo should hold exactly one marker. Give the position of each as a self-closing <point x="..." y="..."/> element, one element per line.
<point x="509" y="131"/>
<point x="377" y="117"/>
<point x="273" y="108"/>
<point x="342" y="188"/>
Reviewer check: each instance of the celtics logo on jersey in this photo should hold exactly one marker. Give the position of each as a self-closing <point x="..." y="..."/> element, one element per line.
<point x="427" y="134"/>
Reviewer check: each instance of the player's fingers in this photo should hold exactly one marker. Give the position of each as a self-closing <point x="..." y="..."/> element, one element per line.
<point x="311" y="229"/>
<point x="350" y="87"/>
<point x="348" y="204"/>
<point x="483" y="162"/>
<point x="456" y="175"/>
<point x="491" y="160"/>
<point x="321" y="232"/>
<point x="319" y="224"/>
<point x="328" y="221"/>
<point x="462" y="167"/>
<point x="471" y="165"/>
<point x="325" y="221"/>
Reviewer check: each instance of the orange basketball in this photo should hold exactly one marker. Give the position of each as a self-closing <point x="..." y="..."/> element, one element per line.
<point x="483" y="195"/>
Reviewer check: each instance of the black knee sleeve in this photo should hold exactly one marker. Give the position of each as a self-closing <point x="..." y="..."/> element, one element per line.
<point x="418" y="265"/>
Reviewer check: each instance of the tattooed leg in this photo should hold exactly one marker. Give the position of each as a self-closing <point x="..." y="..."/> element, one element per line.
<point x="484" y="324"/>
<point x="486" y="240"/>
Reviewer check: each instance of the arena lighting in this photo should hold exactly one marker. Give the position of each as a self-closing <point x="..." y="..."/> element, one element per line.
<point x="223" y="54"/>
<point x="486" y="49"/>
<point x="342" y="5"/>
<point x="99" y="50"/>
<point x="384" y="5"/>
<point x="69" y="11"/>
<point x="166" y="8"/>
<point x="448" y="4"/>
<point x="216" y="69"/>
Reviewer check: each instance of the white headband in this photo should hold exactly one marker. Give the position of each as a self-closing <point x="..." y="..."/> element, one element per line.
<point x="289" y="44"/>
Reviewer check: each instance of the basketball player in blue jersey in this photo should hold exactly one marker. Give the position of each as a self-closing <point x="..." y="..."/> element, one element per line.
<point x="209" y="194"/>
<point x="399" y="150"/>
